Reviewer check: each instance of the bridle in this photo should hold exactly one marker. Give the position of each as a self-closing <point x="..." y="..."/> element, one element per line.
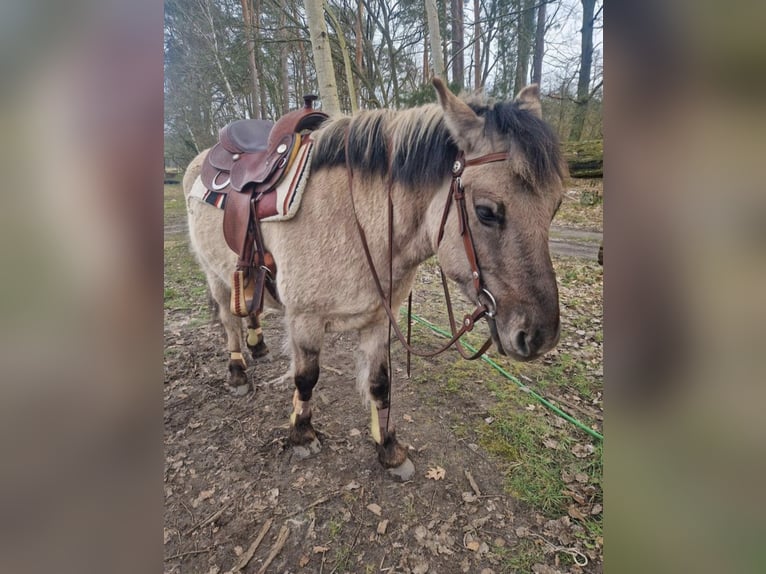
<point x="486" y="308"/>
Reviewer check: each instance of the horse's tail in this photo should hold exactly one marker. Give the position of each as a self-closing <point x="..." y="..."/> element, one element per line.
<point x="192" y="171"/>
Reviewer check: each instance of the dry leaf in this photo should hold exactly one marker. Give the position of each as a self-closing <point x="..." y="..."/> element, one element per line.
<point x="303" y="561"/>
<point x="320" y="549"/>
<point x="382" y="525"/>
<point x="551" y="443"/>
<point x="354" y="432"/>
<point x="574" y="512"/>
<point x="374" y="508"/>
<point x="473" y="545"/>
<point x="238" y="550"/>
<point x="436" y="473"/>
<point x="469" y="497"/>
<point x="408" y="418"/>
<point x="582" y="450"/>
<point x="597" y="508"/>
<point x="581" y="477"/>
<point x="353" y="485"/>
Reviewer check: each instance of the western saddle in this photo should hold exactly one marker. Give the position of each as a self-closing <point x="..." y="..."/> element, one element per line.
<point x="246" y="165"/>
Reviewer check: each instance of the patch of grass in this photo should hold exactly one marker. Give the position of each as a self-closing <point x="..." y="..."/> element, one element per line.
<point x="185" y="284"/>
<point x="334" y="528"/>
<point x="519" y="557"/>
<point x="343" y="558"/>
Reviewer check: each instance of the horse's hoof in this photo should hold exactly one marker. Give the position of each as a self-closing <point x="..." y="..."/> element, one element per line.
<point x="306" y="450"/>
<point x="259" y="351"/>
<point x="404" y="471"/>
<point x="240" y="390"/>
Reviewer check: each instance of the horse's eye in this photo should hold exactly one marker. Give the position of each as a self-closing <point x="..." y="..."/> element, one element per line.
<point x="487" y="216"/>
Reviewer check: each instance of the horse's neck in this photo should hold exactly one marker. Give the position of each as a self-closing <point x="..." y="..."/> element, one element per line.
<point x="420" y="225"/>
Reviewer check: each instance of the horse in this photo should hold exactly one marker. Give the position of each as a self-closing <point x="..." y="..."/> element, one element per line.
<point x="511" y="183"/>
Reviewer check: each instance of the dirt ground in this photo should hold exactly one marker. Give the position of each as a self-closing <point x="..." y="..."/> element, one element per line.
<point x="237" y="499"/>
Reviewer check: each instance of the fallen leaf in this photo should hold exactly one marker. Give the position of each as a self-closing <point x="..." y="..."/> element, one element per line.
<point x="469" y="497"/>
<point x="374" y="508"/>
<point x="408" y="418"/>
<point x="320" y="549"/>
<point x="575" y="513"/>
<point x="238" y="550"/>
<point x="436" y="473"/>
<point x="382" y="525"/>
<point x="597" y="508"/>
<point x="303" y="561"/>
<point x="582" y="450"/>
<point x="529" y="407"/>
<point x="581" y="477"/>
<point x="473" y="545"/>
<point x="354" y="432"/>
<point x="353" y="485"/>
<point x="551" y="443"/>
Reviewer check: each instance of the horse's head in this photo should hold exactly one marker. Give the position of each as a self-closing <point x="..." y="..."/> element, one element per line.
<point x="510" y="204"/>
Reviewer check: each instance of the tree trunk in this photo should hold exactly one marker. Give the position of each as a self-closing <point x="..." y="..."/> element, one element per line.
<point x="476" y="45"/>
<point x="526" y="31"/>
<point x="585" y="159"/>
<point x="284" y="76"/>
<point x="247" y="15"/>
<point x="346" y="59"/>
<point x="320" y="46"/>
<point x="583" y="81"/>
<point x="537" y="60"/>
<point x="436" y="39"/>
<point x="458" y="45"/>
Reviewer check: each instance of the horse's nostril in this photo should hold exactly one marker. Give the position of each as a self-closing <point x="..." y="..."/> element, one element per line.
<point x="521" y="343"/>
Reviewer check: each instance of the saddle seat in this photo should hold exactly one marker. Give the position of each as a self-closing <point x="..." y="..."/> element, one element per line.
<point x="248" y="136"/>
<point x="246" y="165"/>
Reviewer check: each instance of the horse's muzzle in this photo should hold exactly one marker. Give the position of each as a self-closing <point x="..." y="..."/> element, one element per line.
<point x="524" y="343"/>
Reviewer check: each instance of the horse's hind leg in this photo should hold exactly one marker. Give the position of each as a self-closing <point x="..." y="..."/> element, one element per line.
<point x="305" y="342"/>
<point x="374" y="382"/>
<point x="232" y="325"/>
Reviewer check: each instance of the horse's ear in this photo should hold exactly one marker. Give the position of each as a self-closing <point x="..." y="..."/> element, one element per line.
<point x="466" y="128"/>
<point x="529" y="99"/>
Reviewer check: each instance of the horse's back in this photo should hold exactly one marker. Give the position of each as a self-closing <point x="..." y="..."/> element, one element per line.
<point x="192" y="172"/>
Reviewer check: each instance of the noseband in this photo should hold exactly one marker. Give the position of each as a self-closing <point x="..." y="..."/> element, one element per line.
<point x="487" y="307"/>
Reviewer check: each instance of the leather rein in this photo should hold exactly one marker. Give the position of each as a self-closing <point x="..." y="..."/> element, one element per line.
<point x="456" y="195"/>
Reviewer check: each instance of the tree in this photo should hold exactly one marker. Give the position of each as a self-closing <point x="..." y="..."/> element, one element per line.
<point x="583" y="81"/>
<point x="436" y="40"/>
<point x="458" y="44"/>
<point x="537" y="58"/>
<point x="320" y="45"/>
<point x="525" y="34"/>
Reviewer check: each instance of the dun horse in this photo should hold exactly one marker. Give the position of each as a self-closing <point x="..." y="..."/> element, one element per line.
<point x="511" y="186"/>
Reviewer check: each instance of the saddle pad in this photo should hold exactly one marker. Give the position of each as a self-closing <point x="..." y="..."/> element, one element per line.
<point x="283" y="203"/>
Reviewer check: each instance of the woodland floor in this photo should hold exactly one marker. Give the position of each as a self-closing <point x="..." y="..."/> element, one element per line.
<point x="511" y="486"/>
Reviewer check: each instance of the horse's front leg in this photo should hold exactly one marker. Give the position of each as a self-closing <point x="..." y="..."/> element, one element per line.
<point x="375" y="383"/>
<point x="305" y="341"/>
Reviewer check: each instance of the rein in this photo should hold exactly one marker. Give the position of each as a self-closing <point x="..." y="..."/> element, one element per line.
<point x="456" y="195"/>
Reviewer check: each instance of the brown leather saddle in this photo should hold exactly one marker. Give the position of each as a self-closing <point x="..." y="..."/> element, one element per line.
<point x="246" y="165"/>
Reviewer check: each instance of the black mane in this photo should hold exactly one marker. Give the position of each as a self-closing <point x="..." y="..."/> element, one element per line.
<point x="423" y="149"/>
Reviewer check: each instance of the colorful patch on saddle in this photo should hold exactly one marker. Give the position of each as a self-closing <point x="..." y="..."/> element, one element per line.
<point x="215" y="198"/>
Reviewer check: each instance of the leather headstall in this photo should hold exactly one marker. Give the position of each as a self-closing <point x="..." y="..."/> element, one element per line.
<point x="486" y="308"/>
